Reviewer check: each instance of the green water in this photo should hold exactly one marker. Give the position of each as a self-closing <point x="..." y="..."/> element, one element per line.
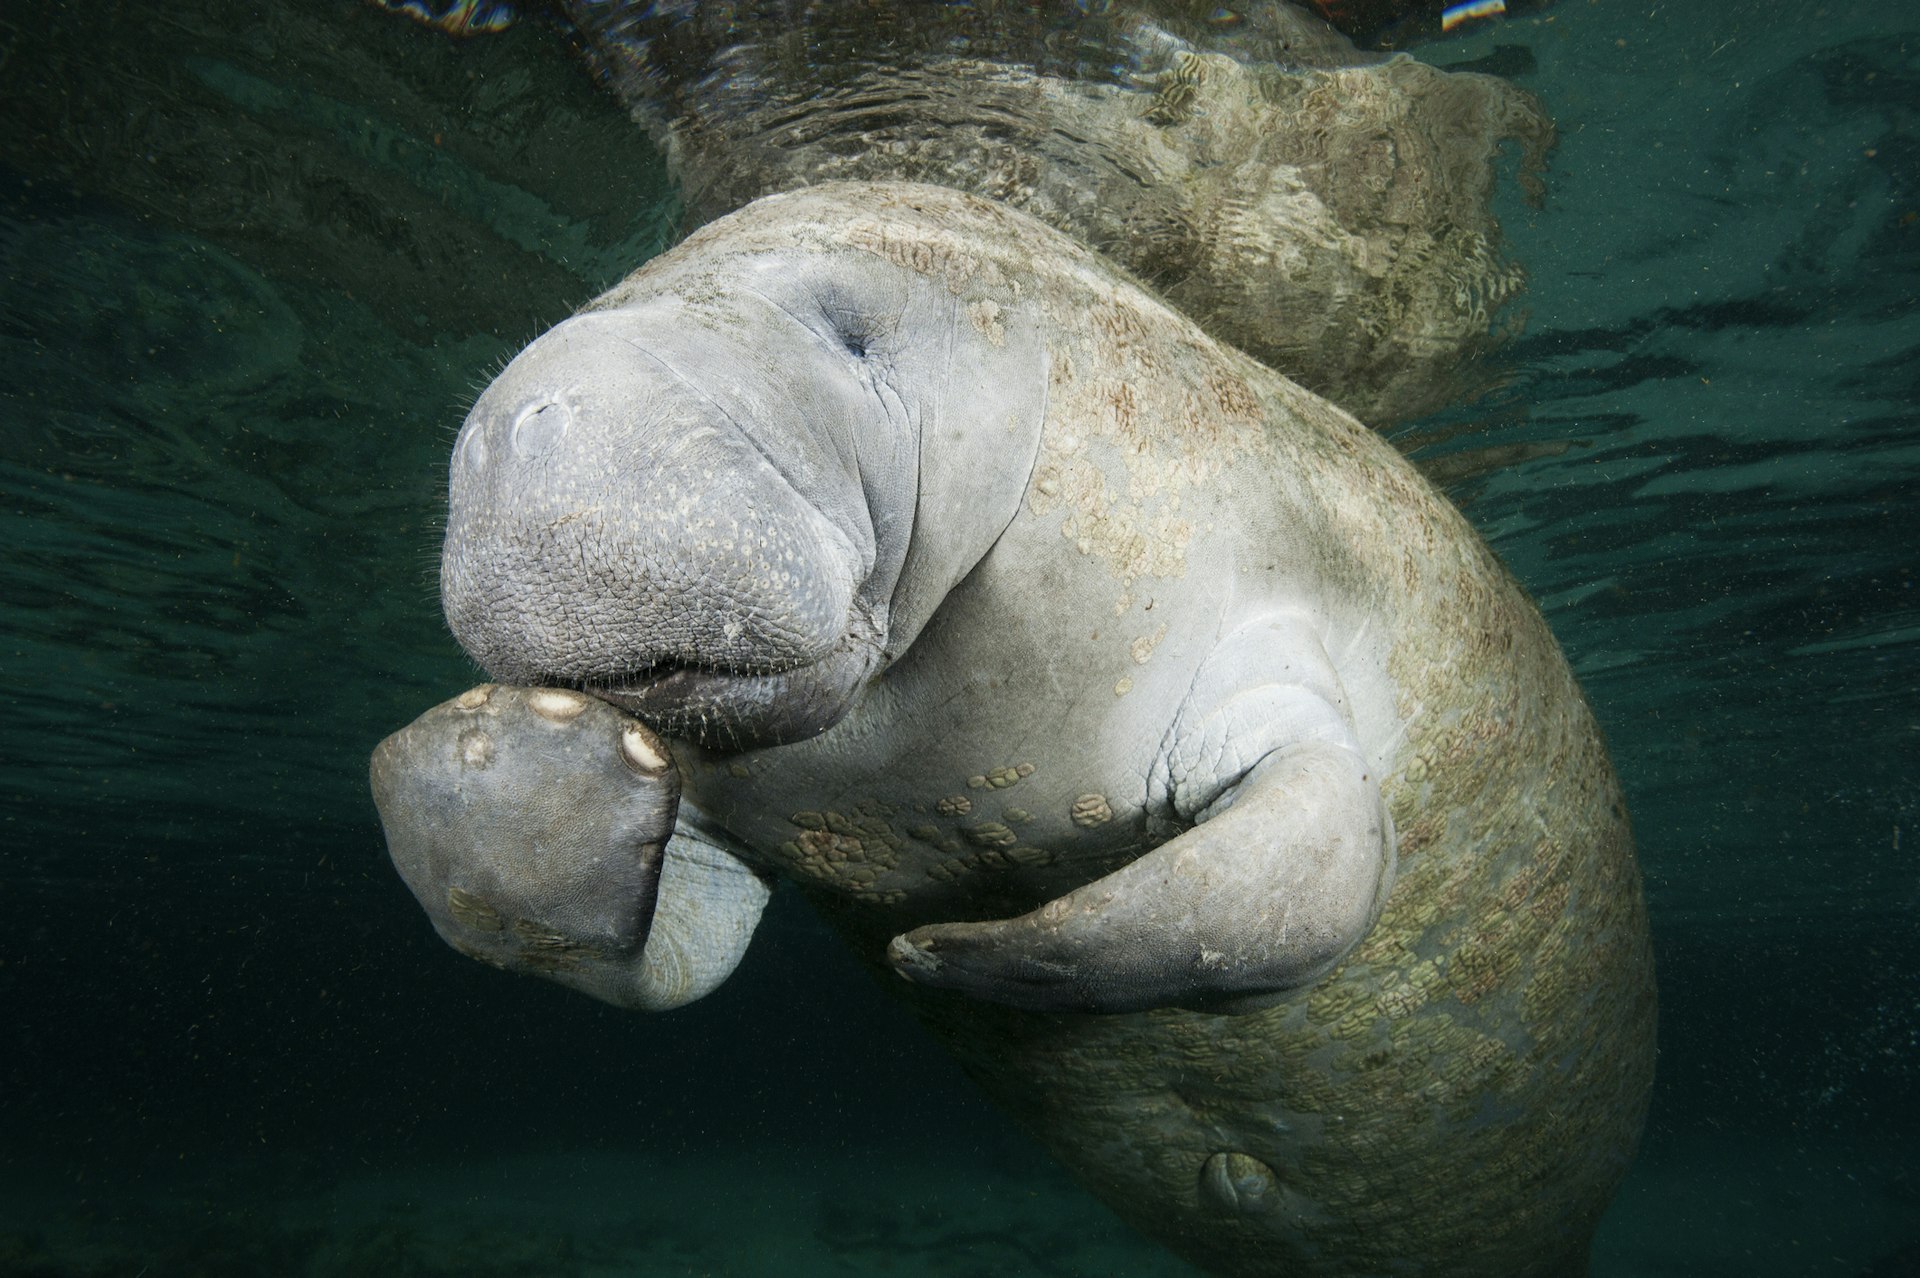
<point x="255" y="262"/>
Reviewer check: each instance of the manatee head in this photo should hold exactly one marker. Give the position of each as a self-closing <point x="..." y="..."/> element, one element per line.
<point x="686" y="513"/>
<point x="708" y="499"/>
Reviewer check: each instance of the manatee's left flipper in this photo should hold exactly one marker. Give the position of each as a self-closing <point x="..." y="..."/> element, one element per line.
<point x="1286" y="868"/>
<point x="542" y="831"/>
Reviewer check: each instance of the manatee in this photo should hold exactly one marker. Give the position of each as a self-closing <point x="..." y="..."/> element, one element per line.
<point x="1225" y="806"/>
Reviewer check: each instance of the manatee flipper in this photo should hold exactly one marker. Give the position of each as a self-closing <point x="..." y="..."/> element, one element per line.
<point x="710" y="904"/>
<point x="1286" y="866"/>
<point x="537" y="827"/>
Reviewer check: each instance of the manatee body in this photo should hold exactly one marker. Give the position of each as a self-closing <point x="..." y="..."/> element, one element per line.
<point x="1228" y="809"/>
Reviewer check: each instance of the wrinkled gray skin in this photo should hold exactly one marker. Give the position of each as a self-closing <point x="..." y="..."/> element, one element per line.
<point x="1072" y="662"/>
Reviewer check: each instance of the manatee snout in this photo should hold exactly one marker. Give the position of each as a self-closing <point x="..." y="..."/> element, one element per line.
<point x="616" y="521"/>
<point x="531" y="825"/>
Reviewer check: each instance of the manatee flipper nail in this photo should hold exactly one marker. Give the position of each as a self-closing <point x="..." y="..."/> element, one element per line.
<point x="537" y="827"/>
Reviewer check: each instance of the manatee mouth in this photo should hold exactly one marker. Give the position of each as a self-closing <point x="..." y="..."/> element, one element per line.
<point x="727" y="711"/>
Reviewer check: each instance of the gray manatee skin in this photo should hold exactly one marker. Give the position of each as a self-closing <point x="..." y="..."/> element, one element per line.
<point x="1230" y="811"/>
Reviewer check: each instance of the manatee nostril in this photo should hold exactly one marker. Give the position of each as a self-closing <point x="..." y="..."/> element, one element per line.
<point x="539" y="427"/>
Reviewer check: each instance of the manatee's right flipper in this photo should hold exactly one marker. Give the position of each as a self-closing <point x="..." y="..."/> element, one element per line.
<point x="1289" y="859"/>
<point x="537" y="828"/>
<point x="1263" y="898"/>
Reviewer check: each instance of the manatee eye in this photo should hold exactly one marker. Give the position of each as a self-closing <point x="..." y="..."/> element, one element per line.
<point x="854" y="333"/>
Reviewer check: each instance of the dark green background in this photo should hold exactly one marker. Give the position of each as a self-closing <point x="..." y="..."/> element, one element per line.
<point x="256" y="259"/>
